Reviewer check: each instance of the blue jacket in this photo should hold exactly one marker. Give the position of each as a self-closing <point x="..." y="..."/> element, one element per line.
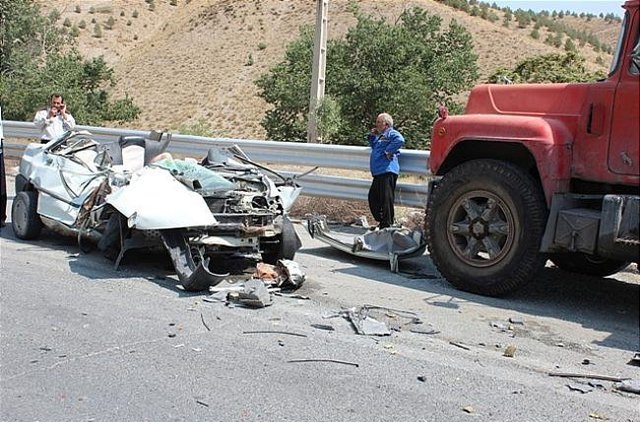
<point x="384" y="152"/>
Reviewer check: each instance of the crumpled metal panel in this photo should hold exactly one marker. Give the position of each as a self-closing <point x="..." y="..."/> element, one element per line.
<point x="155" y="200"/>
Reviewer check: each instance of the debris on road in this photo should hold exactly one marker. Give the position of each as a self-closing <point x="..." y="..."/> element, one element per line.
<point x="592" y="376"/>
<point x="292" y="295"/>
<point x="594" y="415"/>
<point x="629" y="385"/>
<point x="285" y="274"/>
<point x="422" y="329"/>
<point x="468" y="409"/>
<point x="581" y="388"/>
<point x="516" y="320"/>
<point x="499" y="325"/>
<point x="460" y="345"/>
<point x="510" y="351"/>
<point x="635" y="360"/>
<point x="254" y="295"/>
<point x="204" y="322"/>
<point x="343" y="362"/>
<point x="324" y="327"/>
<point x="289" y="333"/>
<point x="372" y="320"/>
<point x="366" y="325"/>
<point x="422" y="378"/>
<point x="256" y="291"/>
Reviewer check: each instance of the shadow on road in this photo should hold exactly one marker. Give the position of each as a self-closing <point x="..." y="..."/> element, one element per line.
<point x="606" y="304"/>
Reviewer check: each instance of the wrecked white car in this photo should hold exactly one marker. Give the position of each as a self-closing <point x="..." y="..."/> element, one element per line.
<point x="130" y="194"/>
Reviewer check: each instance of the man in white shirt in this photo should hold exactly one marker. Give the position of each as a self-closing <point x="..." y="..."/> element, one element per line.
<point x="55" y="120"/>
<point x="3" y="179"/>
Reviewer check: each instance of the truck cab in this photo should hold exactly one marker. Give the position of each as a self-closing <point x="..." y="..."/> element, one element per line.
<point x="532" y="172"/>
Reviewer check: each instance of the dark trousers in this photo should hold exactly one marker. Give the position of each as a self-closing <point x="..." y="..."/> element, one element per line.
<point x="3" y="190"/>
<point x="382" y="197"/>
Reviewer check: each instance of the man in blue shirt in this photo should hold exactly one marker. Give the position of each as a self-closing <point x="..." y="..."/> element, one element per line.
<point x="385" y="143"/>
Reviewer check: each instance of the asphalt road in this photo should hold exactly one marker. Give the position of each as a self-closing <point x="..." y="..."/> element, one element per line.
<point x="80" y="341"/>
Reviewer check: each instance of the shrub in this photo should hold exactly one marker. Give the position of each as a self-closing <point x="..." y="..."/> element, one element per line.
<point x="97" y="31"/>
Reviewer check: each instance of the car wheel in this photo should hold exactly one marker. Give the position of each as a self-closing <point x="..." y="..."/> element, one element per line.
<point x="283" y="246"/>
<point x="25" y="220"/>
<point x="484" y="224"/>
<point x="581" y="263"/>
<point x="21" y="183"/>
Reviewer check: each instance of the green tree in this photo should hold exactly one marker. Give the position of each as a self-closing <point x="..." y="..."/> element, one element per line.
<point x="97" y="31"/>
<point x="569" y="45"/>
<point x="535" y="34"/>
<point x="549" y="68"/>
<point x="405" y="69"/>
<point x="329" y="118"/>
<point x="110" y="23"/>
<point x="33" y="65"/>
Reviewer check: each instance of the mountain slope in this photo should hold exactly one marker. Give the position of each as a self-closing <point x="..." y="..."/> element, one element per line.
<point x="196" y="61"/>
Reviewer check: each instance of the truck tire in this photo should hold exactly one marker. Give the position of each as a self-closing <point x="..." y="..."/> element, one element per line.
<point x="484" y="223"/>
<point x="25" y="220"/>
<point x="581" y="263"/>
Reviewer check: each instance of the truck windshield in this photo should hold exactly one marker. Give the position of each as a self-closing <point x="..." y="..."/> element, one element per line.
<point x="617" y="55"/>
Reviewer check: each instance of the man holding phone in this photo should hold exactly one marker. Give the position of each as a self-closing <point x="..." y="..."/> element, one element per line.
<point x="385" y="143"/>
<point x="54" y="120"/>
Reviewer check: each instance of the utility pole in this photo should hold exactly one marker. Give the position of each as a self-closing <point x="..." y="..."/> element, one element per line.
<point x="319" y="67"/>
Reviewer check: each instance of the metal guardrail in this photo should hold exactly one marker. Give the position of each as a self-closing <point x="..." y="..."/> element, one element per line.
<point x="272" y="152"/>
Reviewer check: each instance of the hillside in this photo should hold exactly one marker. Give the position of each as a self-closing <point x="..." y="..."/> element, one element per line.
<point x="192" y="61"/>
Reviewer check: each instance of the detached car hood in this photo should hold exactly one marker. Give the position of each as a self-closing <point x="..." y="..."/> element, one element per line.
<point x="155" y="200"/>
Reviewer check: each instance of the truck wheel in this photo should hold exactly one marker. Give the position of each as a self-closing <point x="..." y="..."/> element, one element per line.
<point x="581" y="263"/>
<point x="484" y="224"/>
<point x="25" y="220"/>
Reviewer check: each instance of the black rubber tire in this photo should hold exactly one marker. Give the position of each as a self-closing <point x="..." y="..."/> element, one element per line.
<point x="25" y="220"/>
<point x="286" y="245"/>
<point x="21" y="183"/>
<point x="484" y="223"/>
<point x="581" y="263"/>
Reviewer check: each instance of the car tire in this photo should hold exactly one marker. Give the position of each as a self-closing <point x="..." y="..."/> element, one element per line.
<point x="581" y="263"/>
<point x="25" y="220"/>
<point x="283" y="246"/>
<point x="21" y="183"/>
<point x="484" y="224"/>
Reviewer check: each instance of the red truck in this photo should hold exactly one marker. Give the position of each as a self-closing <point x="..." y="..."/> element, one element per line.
<point x="532" y="172"/>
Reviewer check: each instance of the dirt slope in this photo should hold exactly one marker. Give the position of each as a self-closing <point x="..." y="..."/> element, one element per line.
<point x="196" y="61"/>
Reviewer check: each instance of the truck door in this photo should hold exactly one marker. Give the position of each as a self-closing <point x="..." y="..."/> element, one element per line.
<point x="624" y="145"/>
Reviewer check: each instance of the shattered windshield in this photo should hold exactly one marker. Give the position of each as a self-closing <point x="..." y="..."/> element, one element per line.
<point x="206" y="179"/>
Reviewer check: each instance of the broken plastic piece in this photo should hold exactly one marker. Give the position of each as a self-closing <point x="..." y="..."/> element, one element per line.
<point x="630" y="386"/>
<point x="254" y="295"/>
